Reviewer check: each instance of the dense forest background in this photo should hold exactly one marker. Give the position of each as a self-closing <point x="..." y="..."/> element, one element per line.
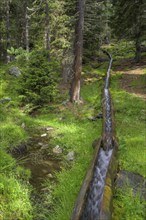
<point x="48" y="50"/>
<point x="50" y="25"/>
<point x="43" y="30"/>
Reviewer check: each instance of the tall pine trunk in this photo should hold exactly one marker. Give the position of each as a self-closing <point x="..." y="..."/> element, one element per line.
<point x="78" y="53"/>
<point x="26" y="28"/>
<point x="1" y="46"/>
<point x="47" y="29"/>
<point x="138" y="49"/>
<point x="17" y="36"/>
<point x="8" y="28"/>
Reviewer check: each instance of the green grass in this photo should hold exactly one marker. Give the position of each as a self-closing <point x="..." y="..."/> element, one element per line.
<point x="73" y="131"/>
<point x="127" y="206"/>
<point x="14" y="191"/>
<point x="130" y="131"/>
<point x="14" y="187"/>
<point x="14" y="198"/>
<point x="130" y="127"/>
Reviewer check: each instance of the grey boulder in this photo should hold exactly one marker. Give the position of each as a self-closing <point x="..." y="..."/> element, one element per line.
<point x="14" y="71"/>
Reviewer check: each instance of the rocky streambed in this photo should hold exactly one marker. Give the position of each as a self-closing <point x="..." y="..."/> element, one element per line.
<point x="39" y="156"/>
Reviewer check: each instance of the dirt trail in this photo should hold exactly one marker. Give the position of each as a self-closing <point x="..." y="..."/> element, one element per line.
<point x="133" y="78"/>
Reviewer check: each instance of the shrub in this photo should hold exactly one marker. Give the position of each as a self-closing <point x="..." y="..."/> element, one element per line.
<point x="39" y="80"/>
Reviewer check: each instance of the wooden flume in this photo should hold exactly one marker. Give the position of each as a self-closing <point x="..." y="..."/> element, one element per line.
<point x="108" y="136"/>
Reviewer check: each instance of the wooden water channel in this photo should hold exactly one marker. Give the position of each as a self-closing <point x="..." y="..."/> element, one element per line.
<point x="94" y="201"/>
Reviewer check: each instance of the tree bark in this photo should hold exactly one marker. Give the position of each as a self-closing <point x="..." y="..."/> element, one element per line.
<point x="47" y="29"/>
<point x="78" y="53"/>
<point x="67" y="65"/>
<point x="17" y="36"/>
<point x="1" y="46"/>
<point x="26" y="28"/>
<point x="8" y="28"/>
<point x="138" y="49"/>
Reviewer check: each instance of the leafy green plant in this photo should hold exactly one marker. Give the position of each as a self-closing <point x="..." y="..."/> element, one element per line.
<point x="20" y="54"/>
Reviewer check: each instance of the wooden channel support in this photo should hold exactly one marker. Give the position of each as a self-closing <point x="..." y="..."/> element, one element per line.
<point x="82" y="196"/>
<point x="106" y="206"/>
<point x="107" y="201"/>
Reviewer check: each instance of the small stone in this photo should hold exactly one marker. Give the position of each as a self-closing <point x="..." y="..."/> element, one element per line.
<point x="92" y="118"/>
<point x="44" y="147"/>
<point x="70" y="156"/>
<point x="57" y="150"/>
<point x="49" y="129"/>
<point x="44" y="135"/>
<point x="23" y="125"/>
<point x="65" y="102"/>
<point x="134" y="180"/>
<point x="62" y="118"/>
<point x="40" y="144"/>
<point x="50" y="176"/>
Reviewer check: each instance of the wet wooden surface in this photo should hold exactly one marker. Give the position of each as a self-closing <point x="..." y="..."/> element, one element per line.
<point x="80" y="203"/>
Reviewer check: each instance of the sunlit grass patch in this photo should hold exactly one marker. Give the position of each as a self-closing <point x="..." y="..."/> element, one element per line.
<point x="130" y="128"/>
<point x="14" y="198"/>
<point x="11" y="135"/>
<point x="132" y="154"/>
<point x="73" y="132"/>
<point x="14" y="193"/>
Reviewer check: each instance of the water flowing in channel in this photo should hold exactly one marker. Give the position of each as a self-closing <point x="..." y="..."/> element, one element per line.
<point x="96" y="190"/>
<point x="93" y="205"/>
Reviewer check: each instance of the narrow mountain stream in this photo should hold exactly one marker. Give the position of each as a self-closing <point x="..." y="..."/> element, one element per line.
<point x="37" y="156"/>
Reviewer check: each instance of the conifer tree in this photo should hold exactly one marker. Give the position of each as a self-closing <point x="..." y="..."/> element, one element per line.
<point x="96" y="28"/>
<point x="129" y="22"/>
<point x="7" y="2"/>
<point x="78" y="53"/>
